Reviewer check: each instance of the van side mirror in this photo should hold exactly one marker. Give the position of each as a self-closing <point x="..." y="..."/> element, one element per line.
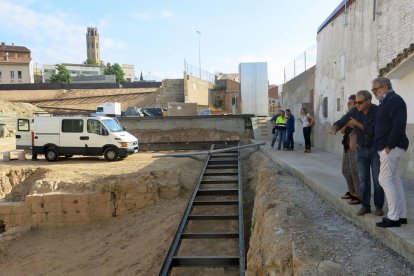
<point x="104" y="132"/>
<point x="124" y="128"/>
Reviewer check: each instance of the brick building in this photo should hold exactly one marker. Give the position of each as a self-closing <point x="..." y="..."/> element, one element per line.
<point x="15" y="64"/>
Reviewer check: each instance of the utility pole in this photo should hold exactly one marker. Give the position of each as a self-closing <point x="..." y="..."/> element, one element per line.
<point x="199" y="53"/>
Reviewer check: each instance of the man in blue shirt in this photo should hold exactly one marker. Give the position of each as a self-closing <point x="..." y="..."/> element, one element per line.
<point x="290" y="129"/>
<point x="391" y="141"/>
<point x="362" y="119"/>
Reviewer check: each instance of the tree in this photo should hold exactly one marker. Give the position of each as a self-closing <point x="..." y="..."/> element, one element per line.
<point x="116" y="70"/>
<point x="62" y="76"/>
<point x="141" y="78"/>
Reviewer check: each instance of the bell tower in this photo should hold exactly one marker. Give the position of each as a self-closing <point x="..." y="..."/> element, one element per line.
<point x="92" y="46"/>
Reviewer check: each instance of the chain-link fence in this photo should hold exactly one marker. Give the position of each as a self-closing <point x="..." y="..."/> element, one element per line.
<point x="300" y="64"/>
<point x="198" y="73"/>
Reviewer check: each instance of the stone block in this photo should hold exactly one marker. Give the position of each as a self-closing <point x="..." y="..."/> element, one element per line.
<point x="5" y="209"/>
<point x="55" y="207"/>
<point x="52" y="198"/>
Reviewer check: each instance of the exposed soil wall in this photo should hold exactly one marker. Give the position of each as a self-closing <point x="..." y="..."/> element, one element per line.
<point x="60" y="203"/>
<point x="270" y="250"/>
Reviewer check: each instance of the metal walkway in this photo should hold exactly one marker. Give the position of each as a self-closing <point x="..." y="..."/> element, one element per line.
<point x="217" y="200"/>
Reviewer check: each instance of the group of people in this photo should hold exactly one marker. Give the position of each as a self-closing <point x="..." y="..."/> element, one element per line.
<point x="374" y="140"/>
<point x="284" y="126"/>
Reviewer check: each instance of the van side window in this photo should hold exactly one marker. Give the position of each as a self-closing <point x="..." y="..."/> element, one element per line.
<point x="23" y="125"/>
<point x="94" y="126"/>
<point x="72" y="125"/>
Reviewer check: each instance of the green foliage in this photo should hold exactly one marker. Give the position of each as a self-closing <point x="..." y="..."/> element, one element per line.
<point x="116" y="70"/>
<point x="62" y="76"/>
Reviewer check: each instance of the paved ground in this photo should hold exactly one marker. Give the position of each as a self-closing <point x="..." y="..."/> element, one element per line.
<point x="321" y="171"/>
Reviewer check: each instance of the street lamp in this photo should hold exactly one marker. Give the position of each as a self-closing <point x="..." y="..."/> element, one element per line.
<point x="199" y="52"/>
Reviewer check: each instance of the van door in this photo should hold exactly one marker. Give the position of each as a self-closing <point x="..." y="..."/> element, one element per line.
<point x="73" y="138"/>
<point x="24" y="134"/>
<point x="98" y="137"/>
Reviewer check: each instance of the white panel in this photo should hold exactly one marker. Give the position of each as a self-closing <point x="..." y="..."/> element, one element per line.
<point x="254" y="88"/>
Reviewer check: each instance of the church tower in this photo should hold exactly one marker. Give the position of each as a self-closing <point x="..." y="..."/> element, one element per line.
<point x="92" y="46"/>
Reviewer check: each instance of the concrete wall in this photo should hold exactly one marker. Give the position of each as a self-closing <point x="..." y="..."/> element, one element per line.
<point x="228" y="123"/>
<point x="351" y="50"/>
<point x="171" y="90"/>
<point x="196" y="90"/>
<point x="346" y="63"/>
<point x="297" y="93"/>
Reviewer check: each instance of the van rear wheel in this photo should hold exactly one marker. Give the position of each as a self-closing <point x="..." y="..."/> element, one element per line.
<point x="51" y="155"/>
<point x="111" y="154"/>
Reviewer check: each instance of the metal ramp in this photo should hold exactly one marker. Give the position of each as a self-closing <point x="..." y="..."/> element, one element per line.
<point x="216" y="200"/>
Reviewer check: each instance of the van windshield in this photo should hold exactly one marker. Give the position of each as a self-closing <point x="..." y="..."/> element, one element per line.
<point x="112" y="125"/>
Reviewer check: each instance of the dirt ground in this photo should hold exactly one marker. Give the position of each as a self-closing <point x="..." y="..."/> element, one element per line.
<point x="133" y="244"/>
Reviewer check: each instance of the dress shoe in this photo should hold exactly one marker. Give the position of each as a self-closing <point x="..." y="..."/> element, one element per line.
<point x="363" y="211"/>
<point x="403" y="220"/>
<point x="378" y="212"/>
<point x="386" y="222"/>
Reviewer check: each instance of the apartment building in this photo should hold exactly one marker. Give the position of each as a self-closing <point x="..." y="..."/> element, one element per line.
<point x="15" y="64"/>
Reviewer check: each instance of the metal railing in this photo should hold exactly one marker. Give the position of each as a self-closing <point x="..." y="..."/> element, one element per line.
<point x="300" y="64"/>
<point x="198" y="72"/>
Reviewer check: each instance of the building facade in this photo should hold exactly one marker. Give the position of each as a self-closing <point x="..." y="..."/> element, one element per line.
<point x="129" y="70"/>
<point x="75" y="70"/>
<point x="359" y="41"/>
<point x="225" y="97"/>
<point x="15" y="64"/>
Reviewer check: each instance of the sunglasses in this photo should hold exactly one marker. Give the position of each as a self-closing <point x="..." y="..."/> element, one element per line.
<point x="360" y="102"/>
<point x="374" y="89"/>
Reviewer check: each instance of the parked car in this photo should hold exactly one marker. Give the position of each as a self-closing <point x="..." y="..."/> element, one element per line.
<point x="205" y="112"/>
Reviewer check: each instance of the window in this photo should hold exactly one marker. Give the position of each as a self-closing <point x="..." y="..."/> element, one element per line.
<point x="94" y="126"/>
<point x="12" y="75"/>
<point x="23" y="125"/>
<point x="234" y="101"/>
<point x="325" y="107"/>
<point x="338" y="104"/>
<point x="72" y="125"/>
<point x="19" y="75"/>
<point x="218" y="103"/>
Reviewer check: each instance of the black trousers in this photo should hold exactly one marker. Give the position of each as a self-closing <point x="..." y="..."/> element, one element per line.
<point x="306" y="134"/>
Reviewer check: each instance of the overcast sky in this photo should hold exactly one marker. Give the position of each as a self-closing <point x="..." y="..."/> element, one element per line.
<point x="157" y="35"/>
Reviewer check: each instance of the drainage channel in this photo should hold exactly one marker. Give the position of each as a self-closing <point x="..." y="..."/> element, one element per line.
<point x="214" y="215"/>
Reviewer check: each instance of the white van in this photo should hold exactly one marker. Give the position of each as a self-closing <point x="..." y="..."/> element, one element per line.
<point x="68" y="136"/>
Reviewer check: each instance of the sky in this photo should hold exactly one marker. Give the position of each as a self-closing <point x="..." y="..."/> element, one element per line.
<point x="158" y="35"/>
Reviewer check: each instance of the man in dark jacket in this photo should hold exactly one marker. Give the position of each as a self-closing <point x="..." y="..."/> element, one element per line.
<point x="290" y="129"/>
<point x="362" y="119"/>
<point x="391" y="141"/>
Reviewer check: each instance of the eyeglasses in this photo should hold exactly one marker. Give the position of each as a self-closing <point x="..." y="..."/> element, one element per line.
<point x="360" y="102"/>
<point x="375" y="89"/>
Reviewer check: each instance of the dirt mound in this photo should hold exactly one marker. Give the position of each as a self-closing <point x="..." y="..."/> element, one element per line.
<point x="18" y="109"/>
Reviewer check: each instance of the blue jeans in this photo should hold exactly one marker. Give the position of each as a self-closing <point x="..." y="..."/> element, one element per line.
<point x="368" y="163"/>
<point x="289" y="140"/>
<point x="282" y="137"/>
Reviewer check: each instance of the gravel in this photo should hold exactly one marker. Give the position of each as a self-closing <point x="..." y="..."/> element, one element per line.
<point x="320" y="233"/>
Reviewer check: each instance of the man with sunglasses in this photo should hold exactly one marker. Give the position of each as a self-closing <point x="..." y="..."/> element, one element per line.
<point x="362" y="119"/>
<point x="391" y="141"/>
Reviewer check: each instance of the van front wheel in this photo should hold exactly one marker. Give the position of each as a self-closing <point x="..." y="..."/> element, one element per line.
<point x="111" y="154"/>
<point x="51" y="155"/>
